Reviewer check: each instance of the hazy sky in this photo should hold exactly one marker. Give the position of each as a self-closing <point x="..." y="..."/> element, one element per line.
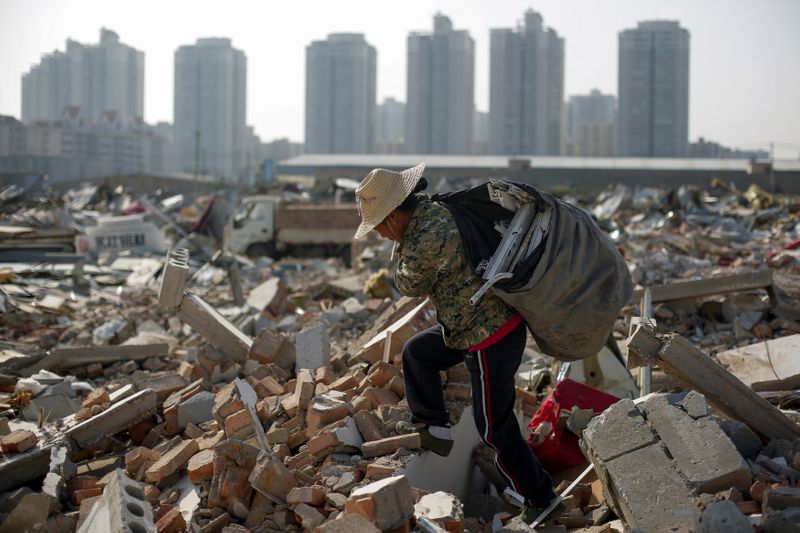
<point x="745" y="54"/>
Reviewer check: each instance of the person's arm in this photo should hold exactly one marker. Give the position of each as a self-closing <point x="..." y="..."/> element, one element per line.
<point x="425" y="260"/>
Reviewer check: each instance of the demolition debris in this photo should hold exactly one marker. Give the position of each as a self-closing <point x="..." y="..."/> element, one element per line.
<point x="176" y="390"/>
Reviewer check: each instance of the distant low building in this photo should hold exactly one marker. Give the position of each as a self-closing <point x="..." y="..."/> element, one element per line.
<point x="73" y="148"/>
<point x="709" y="149"/>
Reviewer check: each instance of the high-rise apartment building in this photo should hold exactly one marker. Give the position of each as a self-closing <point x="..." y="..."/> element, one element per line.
<point x="590" y="125"/>
<point x="654" y="90"/>
<point x="340" y="95"/>
<point x="209" y="129"/>
<point x="390" y="133"/>
<point x="526" y="90"/>
<point x="440" y="90"/>
<point x="108" y="76"/>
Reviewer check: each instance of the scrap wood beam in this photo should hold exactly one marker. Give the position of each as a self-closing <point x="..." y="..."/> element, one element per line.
<point x="680" y="359"/>
<point x="699" y="288"/>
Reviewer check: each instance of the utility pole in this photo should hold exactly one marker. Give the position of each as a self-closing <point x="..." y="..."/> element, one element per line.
<point x="772" y="167"/>
<point x="196" y="158"/>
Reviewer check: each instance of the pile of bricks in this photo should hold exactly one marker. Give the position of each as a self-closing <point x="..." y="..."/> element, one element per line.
<point x="291" y="438"/>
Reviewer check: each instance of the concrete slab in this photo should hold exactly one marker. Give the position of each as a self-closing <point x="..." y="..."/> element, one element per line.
<point x="313" y="347"/>
<point x="620" y="429"/>
<point x="701" y="450"/>
<point x="215" y="328"/>
<point x="650" y="492"/>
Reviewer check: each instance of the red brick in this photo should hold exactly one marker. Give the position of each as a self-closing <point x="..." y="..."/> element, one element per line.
<point x="172" y="522"/>
<point x="314" y="495"/>
<point x="18" y="441"/>
<point x="201" y="466"/>
<point x="390" y="445"/>
<point x="172" y="461"/>
<point x="96" y="397"/>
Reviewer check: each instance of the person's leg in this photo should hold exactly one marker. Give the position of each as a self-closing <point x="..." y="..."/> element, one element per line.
<point x="424" y="356"/>
<point x="493" y="397"/>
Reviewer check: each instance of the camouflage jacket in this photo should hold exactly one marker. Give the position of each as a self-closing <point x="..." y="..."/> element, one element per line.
<point x="432" y="262"/>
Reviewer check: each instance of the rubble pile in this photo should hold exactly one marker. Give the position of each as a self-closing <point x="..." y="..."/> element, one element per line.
<point x="188" y="393"/>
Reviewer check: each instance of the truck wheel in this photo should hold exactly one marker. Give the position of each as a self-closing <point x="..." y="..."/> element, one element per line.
<point x="260" y="249"/>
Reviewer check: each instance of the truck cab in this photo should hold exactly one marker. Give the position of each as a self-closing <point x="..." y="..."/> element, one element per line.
<point x="251" y="229"/>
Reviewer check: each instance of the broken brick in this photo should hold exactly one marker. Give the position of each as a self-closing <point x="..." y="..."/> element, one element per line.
<point x="390" y="445"/>
<point x="18" y="441"/>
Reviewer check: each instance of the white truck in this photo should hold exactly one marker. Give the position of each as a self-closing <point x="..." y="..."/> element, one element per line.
<point x="266" y="225"/>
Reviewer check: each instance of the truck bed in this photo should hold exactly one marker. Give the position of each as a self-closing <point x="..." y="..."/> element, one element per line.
<point x="319" y="216"/>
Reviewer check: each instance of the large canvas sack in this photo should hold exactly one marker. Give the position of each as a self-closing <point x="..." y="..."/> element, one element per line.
<point x="571" y="289"/>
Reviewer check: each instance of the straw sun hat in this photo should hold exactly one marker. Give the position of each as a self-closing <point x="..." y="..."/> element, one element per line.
<point x="381" y="192"/>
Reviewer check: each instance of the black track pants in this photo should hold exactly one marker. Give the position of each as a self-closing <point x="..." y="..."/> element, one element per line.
<point x="493" y="395"/>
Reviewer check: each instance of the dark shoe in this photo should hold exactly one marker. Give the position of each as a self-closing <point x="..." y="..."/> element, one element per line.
<point x="429" y="442"/>
<point x="435" y="444"/>
<point x="530" y="513"/>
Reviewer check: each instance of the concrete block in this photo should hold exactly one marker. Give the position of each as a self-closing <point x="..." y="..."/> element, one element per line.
<point x="387" y="503"/>
<point x="215" y="328"/>
<point x="271" y="477"/>
<point x="390" y="445"/>
<point x="724" y="516"/>
<point x="196" y="409"/>
<point x="701" y="450"/>
<point x="54" y="407"/>
<point x="745" y="439"/>
<point x="116" y="418"/>
<point x="620" y="429"/>
<point x="122" y="507"/>
<point x="347" y="434"/>
<point x="694" y="404"/>
<point x="442" y="508"/>
<point x="62" y="469"/>
<point x="649" y="492"/>
<point x="174" y="278"/>
<point x="313" y="347"/>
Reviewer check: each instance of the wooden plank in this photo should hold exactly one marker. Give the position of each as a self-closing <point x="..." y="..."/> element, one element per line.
<point x="699" y="288"/>
<point x="680" y="359"/>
